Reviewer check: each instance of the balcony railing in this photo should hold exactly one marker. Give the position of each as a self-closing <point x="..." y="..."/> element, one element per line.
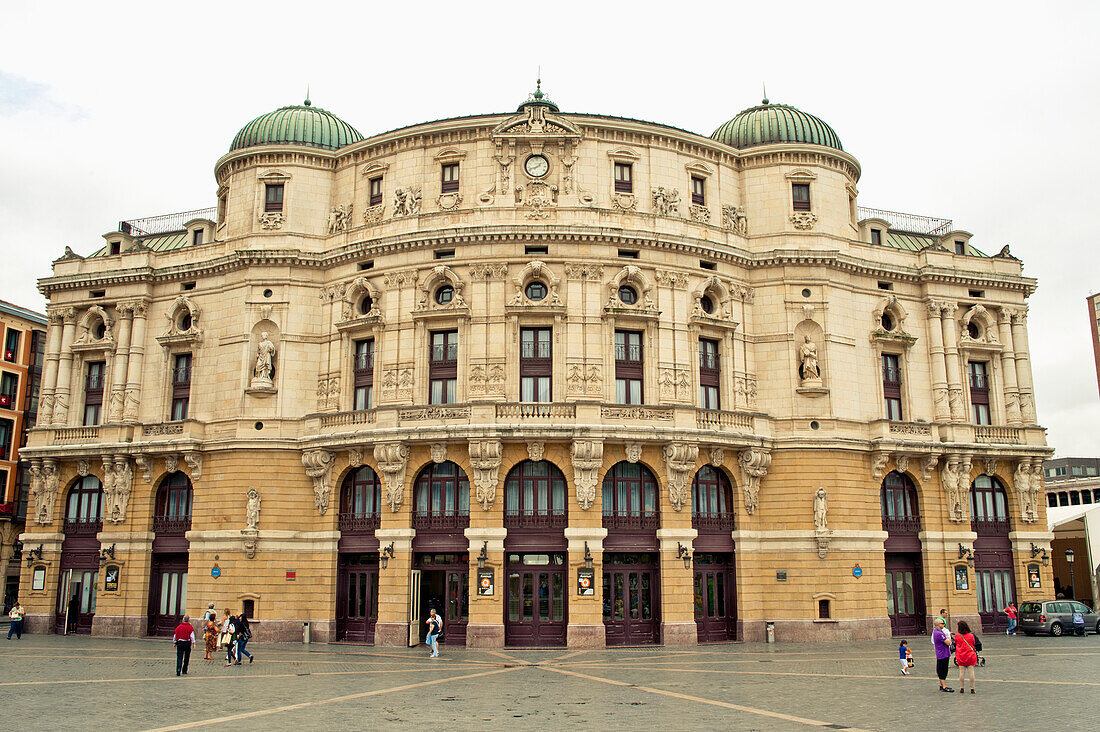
<point x="360" y="416"/>
<point x="979" y="381"/>
<point x="715" y="419"/>
<point x="535" y="349"/>
<point x="537" y="410"/>
<point x="437" y="521"/>
<point x="709" y="360"/>
<point x="83" y="527"/>
<point x="989" y="526"/>
<point x="628" y="353"/>
<point x="513" y="520"/>
<point x="630" y="520"/>
<point x="442" y="354"/>
<point x="359" y="522"/>
<point x="364" y="361"/>
<point x="171" y="524"/>
<point x="891" y="375"/>
<point x="896" y="525"/>
<point x="1004" y="435"/>
<point x="712" y="522"/>
<point x="912" y="223"/>
<point x="164" y="224"/>
<point x="75" y="434"/>
<point x="181" y="375"/>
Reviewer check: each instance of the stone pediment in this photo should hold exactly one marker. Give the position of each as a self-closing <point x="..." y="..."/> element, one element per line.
<point x="536" y="122"/>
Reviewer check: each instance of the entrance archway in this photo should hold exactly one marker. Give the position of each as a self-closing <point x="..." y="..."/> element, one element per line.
<point x="357" y="560"/>
<point x="441" y="513"/>
<point x="631" y="589"/>
<point x="994" y="575"/>
<point x="79" y="576"/>
<point x="904" y="568"/>
<point x="714" y="585"/>
<point x="168" y="576"/>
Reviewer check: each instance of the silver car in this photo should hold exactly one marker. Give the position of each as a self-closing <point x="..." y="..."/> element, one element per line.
<point x="1056" y="617"/>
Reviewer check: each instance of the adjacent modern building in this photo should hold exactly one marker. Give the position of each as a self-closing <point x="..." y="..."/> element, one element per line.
<point x="1094" y="329"/>
<point x="24" y="341"/>
<point x="571" y="379"/>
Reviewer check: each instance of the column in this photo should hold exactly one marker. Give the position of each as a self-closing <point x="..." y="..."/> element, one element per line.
<point x="939" y="366"/>
<point x="392" y="627"/>
<point x="136" y="361"/>
<point x="1008" y="368"/>
<point x="49" y="373"/>
<point x="678" y="626"/>
<point x="64" y="369"/>
<point x="1023" y="366"/>
<point x="486" y="626"/>
<point x="122" y="354"/>
<point x="951" y="357"/>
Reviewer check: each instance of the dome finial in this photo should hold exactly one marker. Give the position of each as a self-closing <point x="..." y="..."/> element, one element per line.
<point x="763" y="84"/>
<point x="538" y="84"/>
<point x="307" y="102"/>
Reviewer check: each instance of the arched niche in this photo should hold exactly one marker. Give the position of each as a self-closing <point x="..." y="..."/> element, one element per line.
<point x="361" y="300"/>
<point x="533" y="272"/>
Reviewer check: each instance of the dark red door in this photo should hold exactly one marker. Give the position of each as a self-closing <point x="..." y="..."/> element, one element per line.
<point x="357" y="598"/>
<point x="715" y="599"/>
<point x="905" y="594"/>
<point x="167" y="593"/>
<point x="630" y="599"/>
<point x="534" y="608"/>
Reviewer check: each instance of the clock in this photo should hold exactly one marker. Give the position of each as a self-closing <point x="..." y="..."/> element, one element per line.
<point x="536" y="166"/>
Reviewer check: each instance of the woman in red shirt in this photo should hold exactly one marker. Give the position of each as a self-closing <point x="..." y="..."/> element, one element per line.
<point x="965" y="655"/>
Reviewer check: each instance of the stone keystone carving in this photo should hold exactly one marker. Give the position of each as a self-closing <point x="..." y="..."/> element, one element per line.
<point x="680" y="460"/>
<point x="901" y="461"/>
<point x="194" y="461"/>
<point x="439" y="452"/>
<point x="171" y="463"/>
<point x="318" y="464"/>
<point x="717" y="456"/>
<point x="485" y="462"/>
<point x="754" y="466"/>
<point x="82" y="468"/>
<point x="391" y="458"/>
<point x="587" y="459"/>
<point x="536" y="451"/>
<point x="633" y="452"/>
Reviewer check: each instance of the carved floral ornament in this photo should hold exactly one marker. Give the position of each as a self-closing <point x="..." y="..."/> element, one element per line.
<point x="754" y="466"/>
<point x="587" y="456"/>
<point x="680" y="460"/>
<point x="485" y="463"/>
<point x="318" y="465"/>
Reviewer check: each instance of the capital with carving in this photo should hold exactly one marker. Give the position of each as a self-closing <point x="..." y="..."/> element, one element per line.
<point x="878" y="464"/>
<point x="587" y="458"/>
<point x="754" y="466"/>
<point x="318" y="464"/>
<point x="194" y="461"/>
<point x="392" y="458"/>
<point x="485" y="463"/>
<point x="145" y="465"/>
<point x="680" y="460"/>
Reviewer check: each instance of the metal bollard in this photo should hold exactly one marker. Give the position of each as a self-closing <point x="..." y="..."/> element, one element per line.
<point x="305" y="632"/>
<point x="770" y="631"/>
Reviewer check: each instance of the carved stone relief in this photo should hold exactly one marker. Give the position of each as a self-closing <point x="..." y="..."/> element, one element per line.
<point x="803" y="220"/>
<point x="449" y="201"/>
<point x="374" y="214"/>
<point x="666" y="201"/>
<point x="391" y="458"/>
<point x="624" y="201"/>
<point x="735" y="220"/>
<point x="587" y="459"/>
<point x="680" y="460"/>
<point x="47" y="484"/>
<point x="270" y="220"/>
<point x="539" y="196"/>
<point x="406" y="201"/>
<point x="675" y="280"/>
<point x="328" y="392"/>
<point x="536" y="451"/>
<point x="145" y="465"/>
<point x="633" y="452"/>
<point x="699" y="213"/>
<point x="438" y="452"/>
<point x="339" y="218"/>
<point x="489" y="271"/>
<point x="717" y="457"/>
<point x="675" y="384"/>
<point x="117" y="484"/>
<point x="318" y="465"/>
<point x="194" y="461"/>
<point x="486" y="378"/>
<point x="754" y="466"/>
<point x="485" y="463"/>
<point x="590" y="272"/>
<point x="584" y="377"/>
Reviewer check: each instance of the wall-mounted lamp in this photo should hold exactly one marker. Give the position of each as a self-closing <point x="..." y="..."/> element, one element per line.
<point x="587" y="557"/>
<point x="483" y="557"/>
<point x="682" y="552"/>
<point x="385" y="556"/>
<point x="34" y="555"/>
<point x="966" y="553"/>
<point x="105" y="554"/>
<point x="1037" y="550"/>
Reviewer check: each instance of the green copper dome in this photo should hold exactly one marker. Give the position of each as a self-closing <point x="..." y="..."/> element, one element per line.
<point x="298" y="125"/>
<point x="775" y="123"/>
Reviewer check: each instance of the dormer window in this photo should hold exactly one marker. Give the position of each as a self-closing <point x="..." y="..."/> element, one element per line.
<point x="800" y="195"/>
<point x="273" y="197"/>
<point x="116" y="247"/>
<point x="450" y="178"/>
<point x="876" y="236"/>
<point x="196" y="237"/>
<point x="960" y="247"/>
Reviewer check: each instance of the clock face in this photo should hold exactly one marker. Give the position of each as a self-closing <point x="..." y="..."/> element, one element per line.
<point x="536" y="166"/>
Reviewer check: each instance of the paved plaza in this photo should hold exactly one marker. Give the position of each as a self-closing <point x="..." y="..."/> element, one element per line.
<point x="78" y="682"/>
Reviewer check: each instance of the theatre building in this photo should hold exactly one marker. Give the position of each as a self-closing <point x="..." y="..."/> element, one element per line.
<point x="571" y="379"/>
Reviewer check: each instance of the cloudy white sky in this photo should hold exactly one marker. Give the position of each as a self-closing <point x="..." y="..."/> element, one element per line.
<point x="984" y="113"/>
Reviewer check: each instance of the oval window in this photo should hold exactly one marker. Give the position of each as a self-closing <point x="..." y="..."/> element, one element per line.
<point x="628" y="295"/>
<point x="365" y="305"/>
<point x="707" y="304"/>
<point x="535" y="291"/>
<point x="100" y="331"/>
<point x="445" y="294"/>
<point x="887" y="322"/>
<point x="973" y="331"/>
<point x="185" y="321"/>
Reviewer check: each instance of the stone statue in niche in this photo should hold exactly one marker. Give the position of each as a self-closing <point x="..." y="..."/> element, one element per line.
<point x="264" y="371"/>
<point x="252" y="510"/>
<point x="807" y="354"/>
<point x="820" y="509"/>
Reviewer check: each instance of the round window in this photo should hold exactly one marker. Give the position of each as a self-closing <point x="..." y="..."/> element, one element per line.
<point x="185" y="321"/>
<point x="628" y="295"/>
<point x="365" y="305"/>
<point x="973" y="331"/>
<point x="887" y="322"/>
<point x="707" y="304"/>
<point x="100" y="331"/>
<point x="806" y="292"/>
<point x="535" y="291"/>
<point x="268" y="293"/>
<point x="444" y="294"/>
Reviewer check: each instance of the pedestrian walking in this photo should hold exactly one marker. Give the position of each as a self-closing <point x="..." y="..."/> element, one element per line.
<point x="906" y="657"/>
<point x="941" y="641"/>
<point x="16" y="614"/>
<point x="210" y="634"/>
<point x="184" y="638"/>
<point x="244" y="634"/>
<point x="1011" y="612"/>
<point x="229" y="638"/>
<point x="966" y="655"/>
<point x="435" y="627"/>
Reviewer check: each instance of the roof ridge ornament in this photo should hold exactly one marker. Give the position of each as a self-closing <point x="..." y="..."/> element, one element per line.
<point x="307" y="102"/>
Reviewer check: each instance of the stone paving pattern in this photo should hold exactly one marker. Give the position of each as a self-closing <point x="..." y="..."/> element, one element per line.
<point x="52" y="682"/>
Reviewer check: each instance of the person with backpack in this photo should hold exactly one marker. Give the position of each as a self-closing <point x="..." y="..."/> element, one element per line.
<point x="966" y="654"/>
<point x="244" y="634"/>
<point x="435" y="628"/>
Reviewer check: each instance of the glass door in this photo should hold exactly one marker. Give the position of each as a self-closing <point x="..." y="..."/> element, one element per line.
<point x="535" y="612"/>
<point x="630" y="599"/>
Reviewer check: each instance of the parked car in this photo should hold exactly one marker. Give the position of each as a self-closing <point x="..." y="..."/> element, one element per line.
<point x="1056" y="617"/>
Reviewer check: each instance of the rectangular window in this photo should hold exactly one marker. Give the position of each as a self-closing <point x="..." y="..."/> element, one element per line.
<point x="709" y="374"/>
<point x="979" y="392"/>
<point x="443" y="367"/>
<point x="181" y="386"/>
<point x="116" y="247"/>
<point x="93" y="392"/>
<point x="9" y="390"/>
<point x="876" y="236"/>
<point x="363" y="369"/>
<point x="196" y="237"/>
<point x="960" y="247"/>
<point x="891" y="385"/>
<point x="6" y="427"/>
<point x="629" y="376"/>
<point x="273" y="197"/>
<point x="698" y="191"/>
<point x="624" y="178"/>
<point x="535" y="364"/>
<point x="800" y="195"/>
<point x="11" y="345"/>
<point x="223" y="202"/>
<point x="376" y="191"/>
<point x="450" y="178"/>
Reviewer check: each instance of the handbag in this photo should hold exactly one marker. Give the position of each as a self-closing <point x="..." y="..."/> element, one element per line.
<point x="225" y="639"/>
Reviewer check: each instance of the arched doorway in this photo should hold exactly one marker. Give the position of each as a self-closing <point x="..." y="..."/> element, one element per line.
<point x="712" y="515"/>
<point x="441" y="514"/>
<point x="535" y="602"/>
<point x="994" y="575"/>
<point x="904" y="568"/>
<point x="357" y="560"/>
<point x="77" y="584"/>
<point x="168" y="577"/>
<point x="631" y="595"/>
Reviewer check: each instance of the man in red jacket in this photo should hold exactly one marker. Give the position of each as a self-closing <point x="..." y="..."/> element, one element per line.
<point x="184" y="638"/>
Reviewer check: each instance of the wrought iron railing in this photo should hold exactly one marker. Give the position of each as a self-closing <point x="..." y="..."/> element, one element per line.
<point x="535" y="349"/>
<point x="516" y="520"/>
<point x="165" y="223"/>
<point x="630" y="353"/>
<point x="631" y="520"/>
<point x="171" y="524"/>
<point x="83" y="527"/>
<point x="443" y="354"/>
<point x="358" y="522"/>
<point x="440" y="521"/>
<point x="712" y="522"/>
<point x="897" y="525"/>
<point x="911" y="223"/>
<point x="709" y="360"/>
<point x="364" y="361"/>
<point x="989" y="526"/>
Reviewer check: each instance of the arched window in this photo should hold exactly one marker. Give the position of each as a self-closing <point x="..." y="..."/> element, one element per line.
<point x="84" y="510"/>
<point x="630" y="497"/>
<point x="173" y="507"/>
<point x="899" y="504"/>
<point x="442" y="498"/>
<point x="534" y="496"/>
<point x="988" y="505"/>
<point x="360" y="501"/>
<point x="711" y="500"/>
